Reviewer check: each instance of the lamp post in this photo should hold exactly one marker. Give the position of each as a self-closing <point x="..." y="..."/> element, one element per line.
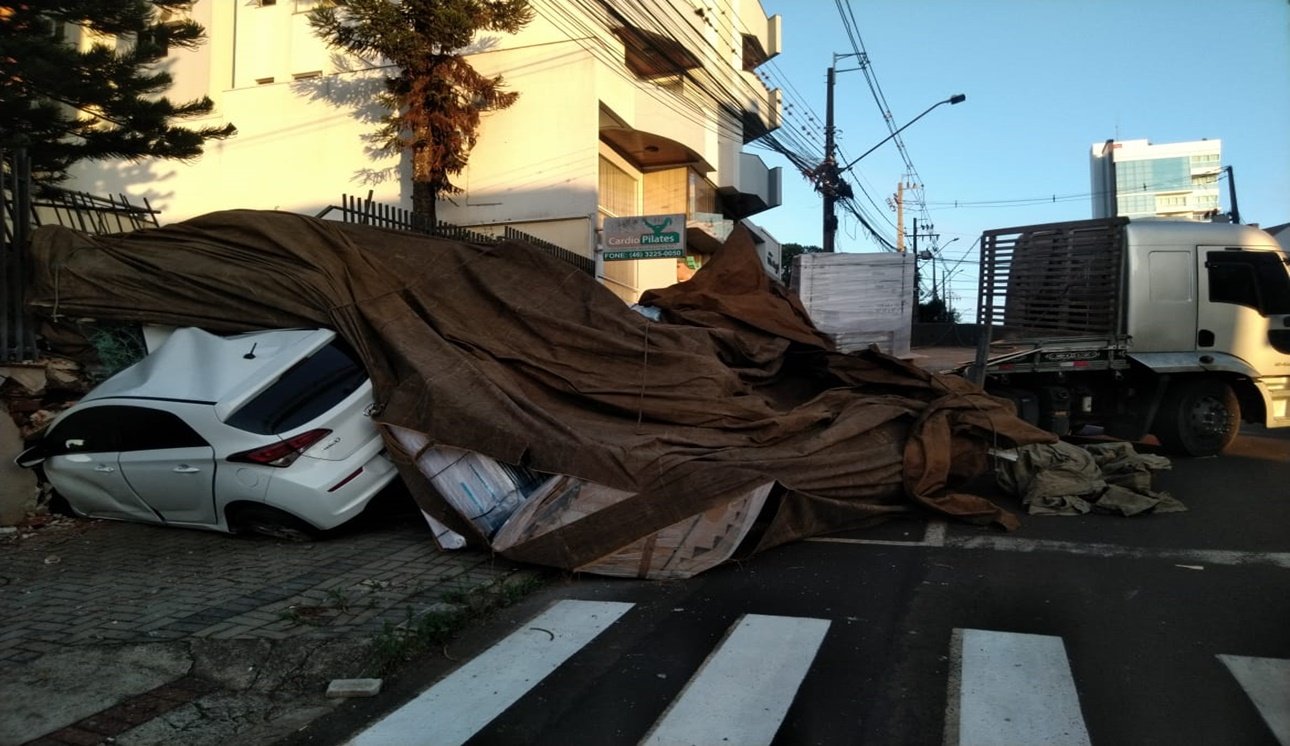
<point x="831" y="175"/>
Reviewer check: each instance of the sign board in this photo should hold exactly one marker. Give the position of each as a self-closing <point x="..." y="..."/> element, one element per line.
<point x="644" y="237"/>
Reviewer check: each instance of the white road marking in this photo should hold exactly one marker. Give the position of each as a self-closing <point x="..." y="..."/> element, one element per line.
<point x="453" y="710"/>
<point x="1014" y="689"/>
<point x="935" y="536"/>
<point x="1267" y="681"/>
<point x="871" y="542"/>
<point x="743" y="690"/>
<point x="1086" y="549"/>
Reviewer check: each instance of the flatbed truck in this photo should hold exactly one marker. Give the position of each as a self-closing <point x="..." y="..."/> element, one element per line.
<point x="1179" y="329"/>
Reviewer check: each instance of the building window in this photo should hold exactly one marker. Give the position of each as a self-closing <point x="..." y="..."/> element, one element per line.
<point x="703" y="195"/>
<point x="1153" y="175"/>
<point x="664" y="192"/>
<point x="617" y="193"/>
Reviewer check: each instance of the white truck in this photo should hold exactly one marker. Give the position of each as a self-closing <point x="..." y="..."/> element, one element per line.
<point x="1179" y="329"/>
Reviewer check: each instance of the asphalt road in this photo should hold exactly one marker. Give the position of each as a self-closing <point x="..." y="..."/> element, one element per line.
<point x="1093" y="629"/>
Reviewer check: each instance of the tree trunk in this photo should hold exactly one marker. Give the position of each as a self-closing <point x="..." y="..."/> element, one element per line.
<point x="423" y="204"/>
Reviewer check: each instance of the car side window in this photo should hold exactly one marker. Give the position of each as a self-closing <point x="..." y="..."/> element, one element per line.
<point x="146" y="429"/>
<point x="120" y="428"/>
<point x="92" y="430"/>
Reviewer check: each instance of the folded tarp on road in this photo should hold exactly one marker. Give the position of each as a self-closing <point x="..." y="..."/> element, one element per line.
<point x="511" y="353"/>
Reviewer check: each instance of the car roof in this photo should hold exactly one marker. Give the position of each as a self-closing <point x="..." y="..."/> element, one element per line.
<point x="195" y="365"/>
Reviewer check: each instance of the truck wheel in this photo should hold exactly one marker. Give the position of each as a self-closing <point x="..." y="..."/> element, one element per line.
<point x="1198" y="417"/>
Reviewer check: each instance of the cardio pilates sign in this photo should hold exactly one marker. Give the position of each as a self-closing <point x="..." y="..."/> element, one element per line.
<point x="644" y="237"/>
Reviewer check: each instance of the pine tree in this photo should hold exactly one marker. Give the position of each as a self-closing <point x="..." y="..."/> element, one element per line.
<point x="434" y="98"/>
<point x="64" y="103"/>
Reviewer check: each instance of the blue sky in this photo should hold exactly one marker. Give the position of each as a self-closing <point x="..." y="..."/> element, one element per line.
<point x="1044" y="80"/>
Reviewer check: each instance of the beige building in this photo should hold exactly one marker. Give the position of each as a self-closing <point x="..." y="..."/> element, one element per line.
<point x="632" y="108"/>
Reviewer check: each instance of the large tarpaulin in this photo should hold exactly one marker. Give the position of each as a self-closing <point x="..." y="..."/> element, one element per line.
<point x="509" y="352"/>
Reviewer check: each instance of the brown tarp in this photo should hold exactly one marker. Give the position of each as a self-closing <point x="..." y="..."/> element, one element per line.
<point x="512" y="353"/>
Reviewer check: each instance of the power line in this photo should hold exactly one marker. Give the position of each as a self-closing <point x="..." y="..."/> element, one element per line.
<point x="1145" y="188"/>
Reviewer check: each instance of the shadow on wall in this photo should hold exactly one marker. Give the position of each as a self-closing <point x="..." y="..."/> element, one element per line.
<point x="549" y="187"/>
<point x="358" y="89"/>
<point x="141" y="180"/>
<point x="351" y="92"/>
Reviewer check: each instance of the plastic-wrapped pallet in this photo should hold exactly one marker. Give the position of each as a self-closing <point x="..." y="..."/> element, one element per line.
<point x="858" y="299"/>
<point x="480" y="489"/>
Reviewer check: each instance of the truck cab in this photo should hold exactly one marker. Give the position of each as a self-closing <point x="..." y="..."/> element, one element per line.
<point x="1232" y="280"/>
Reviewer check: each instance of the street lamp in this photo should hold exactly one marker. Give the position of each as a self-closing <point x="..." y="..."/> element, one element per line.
<point x="957" y="98"/>
<point x="832" y="184"/>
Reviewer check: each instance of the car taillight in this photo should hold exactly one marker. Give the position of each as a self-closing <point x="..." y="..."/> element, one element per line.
<point x="283" y="453"/>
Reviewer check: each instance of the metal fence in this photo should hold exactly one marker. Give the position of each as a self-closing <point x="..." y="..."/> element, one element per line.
<point x="364" y="211"/>
<point x="24" y="205"/>
<point x="17" y="338"/>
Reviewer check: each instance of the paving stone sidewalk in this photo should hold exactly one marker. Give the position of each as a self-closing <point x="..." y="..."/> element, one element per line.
<point x="159" y="613"/>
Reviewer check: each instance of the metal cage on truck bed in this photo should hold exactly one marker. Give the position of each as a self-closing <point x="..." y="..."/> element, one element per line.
<point x="1053" y="280"/>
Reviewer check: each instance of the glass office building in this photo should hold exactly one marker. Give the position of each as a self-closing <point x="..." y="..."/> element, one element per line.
<point x="1135" y="178"/>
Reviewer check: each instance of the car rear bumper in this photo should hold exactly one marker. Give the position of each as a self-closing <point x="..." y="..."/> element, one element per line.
<point x="326" y="494"/>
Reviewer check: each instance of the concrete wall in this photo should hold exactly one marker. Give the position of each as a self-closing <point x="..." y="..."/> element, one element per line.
<point x="17" y="486"/>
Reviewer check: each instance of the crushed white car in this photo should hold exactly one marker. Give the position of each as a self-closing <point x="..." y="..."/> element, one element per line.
<point x="267" y="432"/>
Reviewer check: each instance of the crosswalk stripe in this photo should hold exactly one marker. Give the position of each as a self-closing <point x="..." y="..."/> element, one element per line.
<point x="1267" y="682"/>
<point x="457" y="707"/>
<point x="743" y="690"/>
<point x="1013" y="689"/>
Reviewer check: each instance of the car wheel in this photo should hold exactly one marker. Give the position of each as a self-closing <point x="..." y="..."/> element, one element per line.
<point x="1198" y="417"/>
<point x="263" y="520"/>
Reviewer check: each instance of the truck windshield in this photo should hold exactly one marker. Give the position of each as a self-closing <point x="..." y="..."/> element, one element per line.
<point x="1256" y="279"/>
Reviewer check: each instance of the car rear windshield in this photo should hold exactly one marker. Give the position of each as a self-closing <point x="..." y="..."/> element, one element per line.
<point x="307" y="390"/>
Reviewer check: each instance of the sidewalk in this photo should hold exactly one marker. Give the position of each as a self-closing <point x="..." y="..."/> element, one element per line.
<point x="130" y="634"/>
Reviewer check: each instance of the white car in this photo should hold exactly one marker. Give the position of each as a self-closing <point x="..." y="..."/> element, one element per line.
<point x="268" y="432"/>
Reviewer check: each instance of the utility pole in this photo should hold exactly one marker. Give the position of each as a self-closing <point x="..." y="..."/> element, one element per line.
<point x="930" y="256"/>
<point x="900" y="216"/>
<point x="935" y="294"/>
<point x="829" y="175"/>
<point x="916" y="278"/>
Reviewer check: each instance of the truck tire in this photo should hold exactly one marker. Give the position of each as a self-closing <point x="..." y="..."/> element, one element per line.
<point x="1198" y="417"/>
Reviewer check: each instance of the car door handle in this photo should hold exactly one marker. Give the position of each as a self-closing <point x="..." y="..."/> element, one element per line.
<point x="105" y="468"/>
<point x="186" y="469"/>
